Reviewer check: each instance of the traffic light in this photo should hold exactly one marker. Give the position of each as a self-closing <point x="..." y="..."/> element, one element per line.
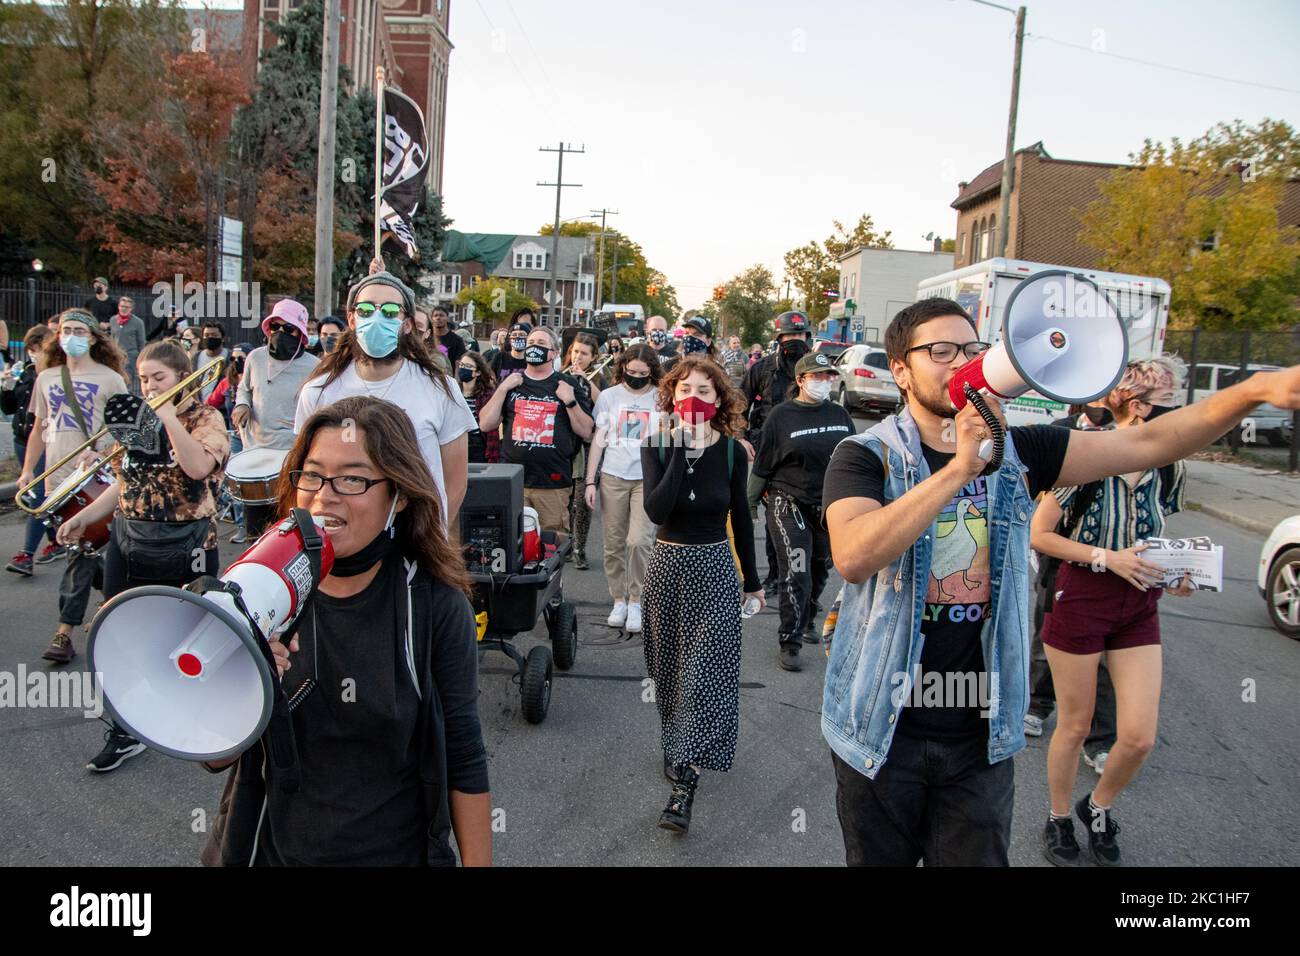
<point x="652" y="290"/>
<point x="719" y="293"/>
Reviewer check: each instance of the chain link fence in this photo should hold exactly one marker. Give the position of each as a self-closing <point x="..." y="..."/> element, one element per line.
<point x="1216" y="360"/>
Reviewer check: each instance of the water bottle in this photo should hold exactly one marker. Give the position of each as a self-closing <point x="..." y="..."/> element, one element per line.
<point x="749" y="609"/>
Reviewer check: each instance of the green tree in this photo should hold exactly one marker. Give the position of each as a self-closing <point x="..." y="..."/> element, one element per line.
<point x="746" y="306"/>
<point x="863" y="234"/>
<point x="1203" y="216"/>
<point x="813" y="272"/>
<point x="635" y="278"/>
<point x="495" y="300"/>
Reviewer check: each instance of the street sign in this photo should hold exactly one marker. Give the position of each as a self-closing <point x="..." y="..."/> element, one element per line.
<point x="856" y="325"/>
<point x="552" y="296"/>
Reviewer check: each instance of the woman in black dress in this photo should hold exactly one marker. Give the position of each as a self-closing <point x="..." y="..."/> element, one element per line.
<point x="694" y="480"/>
<point x="384" y="665"/>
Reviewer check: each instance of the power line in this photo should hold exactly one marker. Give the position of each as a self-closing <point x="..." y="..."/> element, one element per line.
<point x="540" y="65"/>
<point x="506" y="49"/>
<point x="1163" y="66"/>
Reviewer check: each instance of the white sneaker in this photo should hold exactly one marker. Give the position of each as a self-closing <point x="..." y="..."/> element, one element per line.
<point x="618" y="615"/>
<point x="1033" y="725"/>
<point x="1097" y="763"/>
<point x="633" y="618"/>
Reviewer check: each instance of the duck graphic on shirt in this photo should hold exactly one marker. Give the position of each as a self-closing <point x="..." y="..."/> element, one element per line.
<point x="958" y="588"/>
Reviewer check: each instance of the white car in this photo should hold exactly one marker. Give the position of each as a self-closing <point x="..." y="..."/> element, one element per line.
<point x="1279" y="576"/>
<point x="865" y="380"/>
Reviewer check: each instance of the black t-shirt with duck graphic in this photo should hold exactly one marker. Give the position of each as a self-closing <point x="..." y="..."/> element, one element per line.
<point x="948" y="699"/>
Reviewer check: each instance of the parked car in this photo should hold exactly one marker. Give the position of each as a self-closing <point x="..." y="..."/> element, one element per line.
<point x="1279" y="576"/>
<point x="830" y="348"/>
<point x="1272" y="424"/>
<point x="865" y="380"/>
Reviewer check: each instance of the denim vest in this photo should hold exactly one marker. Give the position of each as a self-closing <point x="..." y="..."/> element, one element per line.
<point x="878" y="634"/>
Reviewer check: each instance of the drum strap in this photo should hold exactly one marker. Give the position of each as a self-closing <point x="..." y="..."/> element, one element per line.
<point x="71" y="397"/>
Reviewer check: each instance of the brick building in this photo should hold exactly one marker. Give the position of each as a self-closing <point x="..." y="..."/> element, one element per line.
<point x="1047" y="194"/>
<point x="407" y="37"/>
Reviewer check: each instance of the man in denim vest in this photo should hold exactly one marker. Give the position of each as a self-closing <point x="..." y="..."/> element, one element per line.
<point x="927" y="683"/>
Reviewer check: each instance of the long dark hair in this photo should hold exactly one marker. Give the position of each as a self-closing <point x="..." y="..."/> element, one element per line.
<point x="393" y="450"/>
<point x="102" y="347"/>
<point x="409" y="347"/>
<point x="633" y="353"/>
<point x="730" y="419"/>
<point x="486" y="383"/>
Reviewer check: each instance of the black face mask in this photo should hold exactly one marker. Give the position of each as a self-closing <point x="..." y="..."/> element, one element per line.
<point x="658" y="337"/>
<point x="636" y="382"/>
<point x="794" y="349"/>
<point x="465" y="374"/>
<point x="536" y="354"/>
<point x="1098" y="415"/>
<point x="212" y="342"/>
<point x="283" y="346"/>
<point x="517" y="345"/>
<point x="367" y="557"/>
<point x="691" y="344"/>
<point x="239" y="365"/>
<point x="1158" y="410"/>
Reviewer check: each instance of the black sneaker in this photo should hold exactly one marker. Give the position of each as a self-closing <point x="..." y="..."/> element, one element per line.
<point x="119" y="747"/>
<point x="789" y="658"/>
<point x="580" y="561"/>
<point x="1059" y="845"/>
<point x="1102" y="829"/>
<point x="677" y="815"/>
<point x="810" y="635"/>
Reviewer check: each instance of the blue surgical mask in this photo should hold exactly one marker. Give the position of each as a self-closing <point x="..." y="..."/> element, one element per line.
<point x="74" y="345"/>
<point x="312" y="340"/>
<point x="378" y="335"/>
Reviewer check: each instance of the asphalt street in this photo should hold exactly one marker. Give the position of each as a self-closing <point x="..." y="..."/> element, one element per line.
<point x="585" y="787"/>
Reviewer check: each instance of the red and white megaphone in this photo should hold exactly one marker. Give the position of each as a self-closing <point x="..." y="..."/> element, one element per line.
<point x="184" y="669"/>
<point x="1061" y="337"/>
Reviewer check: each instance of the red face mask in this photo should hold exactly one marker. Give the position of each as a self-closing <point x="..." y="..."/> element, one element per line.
<point x="693" y="411"/>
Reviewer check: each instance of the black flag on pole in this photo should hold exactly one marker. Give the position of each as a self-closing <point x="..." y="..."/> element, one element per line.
<point x="406" y="161"/>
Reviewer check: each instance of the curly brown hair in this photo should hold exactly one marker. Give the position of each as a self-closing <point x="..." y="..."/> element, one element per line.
<point x="391" y="445"/>
<point x="730" y="419"/>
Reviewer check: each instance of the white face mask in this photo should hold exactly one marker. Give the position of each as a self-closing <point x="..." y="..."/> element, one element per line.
<point x="818" y="391"/>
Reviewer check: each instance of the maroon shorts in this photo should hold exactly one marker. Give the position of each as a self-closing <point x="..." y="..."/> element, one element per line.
<point x="1096" y="612"/>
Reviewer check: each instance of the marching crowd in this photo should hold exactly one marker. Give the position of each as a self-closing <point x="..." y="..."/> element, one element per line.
<point x="370" y="421"/>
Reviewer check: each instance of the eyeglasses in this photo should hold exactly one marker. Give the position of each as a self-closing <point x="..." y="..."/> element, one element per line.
<point x="280" y="327"/>
<point x="342" y="484"/>
<point x="946" y="352"/>
<point x="389" y="310"/>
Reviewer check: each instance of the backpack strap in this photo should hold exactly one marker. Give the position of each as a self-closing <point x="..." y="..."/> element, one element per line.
<point x="731" y="455"/>
<point x="70" y="396"/>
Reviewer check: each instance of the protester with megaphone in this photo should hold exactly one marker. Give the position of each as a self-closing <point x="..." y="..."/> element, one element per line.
<point x="926" y="685"/>
<point x="384" y="670"/>
<point x="168" y="479"/>
<point x="1105" y="601"/>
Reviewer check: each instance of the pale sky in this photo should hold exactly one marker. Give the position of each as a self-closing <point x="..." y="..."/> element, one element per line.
<point x="729" y="132"/>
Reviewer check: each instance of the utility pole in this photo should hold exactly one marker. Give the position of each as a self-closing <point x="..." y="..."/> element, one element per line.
<point x="613" y="274"/>
<point x="555" y="296"/>
<point x="329" y="98"/>
<point x="1009" y="161"/>
<point x="600" y="257"/>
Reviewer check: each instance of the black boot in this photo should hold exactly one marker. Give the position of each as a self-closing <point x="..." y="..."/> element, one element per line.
<point x="677" y="815"/>
<point x="669" y="770"/>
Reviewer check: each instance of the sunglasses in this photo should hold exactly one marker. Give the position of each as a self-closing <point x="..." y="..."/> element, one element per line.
<point x="389" y="310"/>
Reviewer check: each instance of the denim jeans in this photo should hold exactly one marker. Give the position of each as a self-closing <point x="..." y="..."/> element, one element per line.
<point x="35" y="527"/>
<point x="935" y="801"/>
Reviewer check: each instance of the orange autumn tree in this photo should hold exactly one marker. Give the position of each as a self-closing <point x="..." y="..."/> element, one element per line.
<point x="161" y="184"/>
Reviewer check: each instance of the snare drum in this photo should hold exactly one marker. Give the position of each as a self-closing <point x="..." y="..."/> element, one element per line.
<point x="77" y="491"/>
<point x="251" y="475"/>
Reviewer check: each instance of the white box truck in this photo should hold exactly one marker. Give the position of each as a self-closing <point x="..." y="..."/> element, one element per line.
<point x="983" y="290"/>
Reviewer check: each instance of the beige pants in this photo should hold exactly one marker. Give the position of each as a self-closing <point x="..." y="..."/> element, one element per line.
<point x="629" y="536"/>
<point x="551" y="505"/>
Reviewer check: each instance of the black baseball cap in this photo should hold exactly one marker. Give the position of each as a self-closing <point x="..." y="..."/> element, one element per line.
<point x="701" y="323"/>
<point x="813" y="362"/>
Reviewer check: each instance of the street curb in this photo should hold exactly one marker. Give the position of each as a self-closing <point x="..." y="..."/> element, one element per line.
<point x="1232" y="517"/>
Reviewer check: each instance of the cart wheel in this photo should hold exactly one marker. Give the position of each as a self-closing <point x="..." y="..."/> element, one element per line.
<point x="564" y="635"/>
<point x="535" y="685"/>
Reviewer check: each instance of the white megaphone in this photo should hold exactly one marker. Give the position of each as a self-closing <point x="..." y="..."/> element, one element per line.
<point x="1061" y="337"/>
<point x="185" y="670"/>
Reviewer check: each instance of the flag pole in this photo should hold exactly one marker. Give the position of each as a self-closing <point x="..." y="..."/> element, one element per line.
<point x="379" y="153"/>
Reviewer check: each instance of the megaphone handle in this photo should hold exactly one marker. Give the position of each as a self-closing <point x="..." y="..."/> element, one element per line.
<point x="996" y="445"/>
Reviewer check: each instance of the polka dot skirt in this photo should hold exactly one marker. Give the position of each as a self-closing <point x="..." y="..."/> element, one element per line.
<point x="691" y="633"/>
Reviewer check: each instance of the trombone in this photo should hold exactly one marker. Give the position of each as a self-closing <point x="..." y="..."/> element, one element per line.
<point x="208" y="375"/>
<point x="591" y="373"/>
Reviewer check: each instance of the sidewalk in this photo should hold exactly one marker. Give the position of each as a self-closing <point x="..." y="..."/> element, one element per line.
<point x="1252" y="498"/>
